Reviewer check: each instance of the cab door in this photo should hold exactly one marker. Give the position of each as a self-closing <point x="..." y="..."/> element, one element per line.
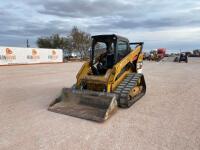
<point x="123" y="49"/>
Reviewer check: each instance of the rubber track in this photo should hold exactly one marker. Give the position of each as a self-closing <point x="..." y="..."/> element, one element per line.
<point x="125" y="87"/>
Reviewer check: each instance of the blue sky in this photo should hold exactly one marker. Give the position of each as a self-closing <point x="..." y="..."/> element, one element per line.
<point x="172" y="24"/>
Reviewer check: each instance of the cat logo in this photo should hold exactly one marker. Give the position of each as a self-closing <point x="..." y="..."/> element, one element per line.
<point x="53" y="55"/>
<point x="8" y="56"/>
<point x="34" y="55"/>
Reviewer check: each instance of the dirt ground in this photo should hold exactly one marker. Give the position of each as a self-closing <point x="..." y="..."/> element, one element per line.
<point x="166" y="118"/>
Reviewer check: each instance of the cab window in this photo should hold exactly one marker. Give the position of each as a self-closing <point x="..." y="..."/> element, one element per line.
<point x="100" y="48"/>
<point x="122" y="49"/>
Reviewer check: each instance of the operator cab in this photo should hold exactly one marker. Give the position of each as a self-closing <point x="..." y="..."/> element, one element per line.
<point x="107" y="50"/>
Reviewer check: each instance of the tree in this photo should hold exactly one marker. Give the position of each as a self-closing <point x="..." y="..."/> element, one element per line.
<point x="76" y="40"/>
<point x="54" y="41"/>
<point x="44" y="42"/>
<point x="81" y="41"/>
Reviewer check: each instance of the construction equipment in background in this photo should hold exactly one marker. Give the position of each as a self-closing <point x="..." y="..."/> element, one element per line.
<point x="153" y="55"/>
<point x="111" y="78"/>
<point x="196" y="53"/>
<point x="182" y="57"/>
<point x="157" y="54"/>
<point x="161" y="52"/>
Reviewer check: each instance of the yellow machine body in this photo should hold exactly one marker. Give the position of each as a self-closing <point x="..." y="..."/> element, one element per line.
<point x="96" y="96"/>
<point x="109" y="80"/>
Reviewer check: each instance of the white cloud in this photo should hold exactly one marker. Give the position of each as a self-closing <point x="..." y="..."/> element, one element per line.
<point x="172" y="24"/>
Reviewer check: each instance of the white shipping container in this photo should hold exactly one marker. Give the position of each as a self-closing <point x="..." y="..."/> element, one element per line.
<point x="17" y="55"/>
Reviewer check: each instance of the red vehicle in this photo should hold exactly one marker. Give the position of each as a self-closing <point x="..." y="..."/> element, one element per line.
<point x="161" y="53"/>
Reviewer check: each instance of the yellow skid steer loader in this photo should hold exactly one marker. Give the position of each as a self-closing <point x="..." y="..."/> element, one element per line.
<point x="111" y="78"/>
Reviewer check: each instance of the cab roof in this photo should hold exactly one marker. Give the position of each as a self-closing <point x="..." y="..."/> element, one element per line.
<point x="109" y="36"/>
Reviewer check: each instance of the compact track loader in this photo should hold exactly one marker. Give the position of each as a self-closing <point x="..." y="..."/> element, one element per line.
<point x="112" y="78"/>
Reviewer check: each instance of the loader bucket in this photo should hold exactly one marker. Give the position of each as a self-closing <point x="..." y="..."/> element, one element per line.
<point x="90" y="105"/>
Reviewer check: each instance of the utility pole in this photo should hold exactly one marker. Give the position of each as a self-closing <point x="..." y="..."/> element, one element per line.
<point x="27" y="43"/>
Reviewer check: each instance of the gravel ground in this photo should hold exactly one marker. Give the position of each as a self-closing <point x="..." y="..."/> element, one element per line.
<point x="166" y="118"/>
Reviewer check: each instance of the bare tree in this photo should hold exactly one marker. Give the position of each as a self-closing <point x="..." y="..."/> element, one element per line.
<point x="81" y="41"/>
